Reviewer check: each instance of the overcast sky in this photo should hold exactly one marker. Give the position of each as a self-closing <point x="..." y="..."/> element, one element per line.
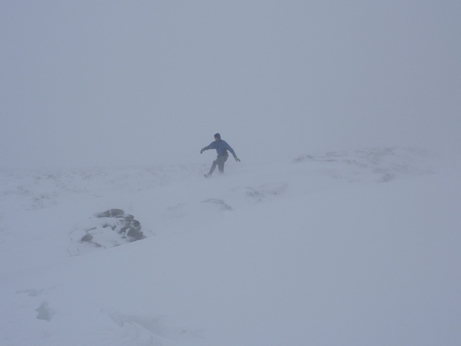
<point x="150" y="82"/>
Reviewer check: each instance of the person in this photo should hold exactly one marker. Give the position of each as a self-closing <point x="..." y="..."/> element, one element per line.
<point x="222" y="148"/>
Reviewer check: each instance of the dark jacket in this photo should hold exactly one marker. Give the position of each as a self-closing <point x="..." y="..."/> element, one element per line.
<point x="221" y="147"/>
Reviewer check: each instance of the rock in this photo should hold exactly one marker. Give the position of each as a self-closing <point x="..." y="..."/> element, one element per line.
<point x="123" y="224"/>
<point x="87" y="237"/>
<point x="134" y="233"/>
<point x="105" y="230"/>
<point x="111" y="213"/>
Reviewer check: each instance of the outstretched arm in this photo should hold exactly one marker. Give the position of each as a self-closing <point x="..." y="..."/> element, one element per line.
<point x="211" y="146"/>
<point x="228" y="147"/>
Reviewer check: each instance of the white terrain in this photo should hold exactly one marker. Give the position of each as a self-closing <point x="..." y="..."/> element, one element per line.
<point x="340" y="248"/>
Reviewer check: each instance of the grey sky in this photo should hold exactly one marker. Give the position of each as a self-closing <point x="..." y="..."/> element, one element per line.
<point x="147" y="82"/>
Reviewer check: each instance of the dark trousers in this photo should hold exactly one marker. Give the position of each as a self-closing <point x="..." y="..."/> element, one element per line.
<point x="220" y="163"/>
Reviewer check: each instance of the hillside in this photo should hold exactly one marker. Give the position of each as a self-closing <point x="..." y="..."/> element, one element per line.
<point x="338" y="248"/>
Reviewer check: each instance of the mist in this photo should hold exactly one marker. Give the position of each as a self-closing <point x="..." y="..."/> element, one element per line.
<point x="121" y="83"/>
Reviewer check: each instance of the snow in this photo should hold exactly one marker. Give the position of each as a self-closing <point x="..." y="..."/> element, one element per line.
<point x="338" y="248"/>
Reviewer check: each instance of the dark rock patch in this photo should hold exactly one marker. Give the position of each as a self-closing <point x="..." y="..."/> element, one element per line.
<point x="123" y="224"/>
<point x="107" y="229"/>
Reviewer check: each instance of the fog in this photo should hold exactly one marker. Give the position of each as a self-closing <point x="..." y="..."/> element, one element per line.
<point x="109" y="83"/>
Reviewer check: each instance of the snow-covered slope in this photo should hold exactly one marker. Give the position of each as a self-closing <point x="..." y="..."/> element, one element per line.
<point x="341" y="248"/>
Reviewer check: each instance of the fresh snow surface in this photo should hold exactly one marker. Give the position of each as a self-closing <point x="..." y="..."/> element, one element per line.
<point x="339" y="248"/>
